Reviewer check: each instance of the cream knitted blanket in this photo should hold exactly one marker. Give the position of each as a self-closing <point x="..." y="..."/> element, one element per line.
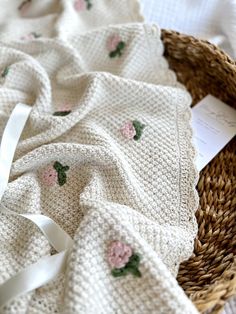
<point x="106" y="153"/>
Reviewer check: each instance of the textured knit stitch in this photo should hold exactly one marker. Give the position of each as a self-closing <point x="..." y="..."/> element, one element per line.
<point x="141" y="193"/>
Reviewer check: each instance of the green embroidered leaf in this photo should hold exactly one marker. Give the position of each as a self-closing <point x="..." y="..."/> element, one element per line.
<point x="89" y="4"/>
<point x="65" y="168"/>
<point x="134" y="261"/>
<point x="5" y="72"/>
<point x="121" y="45"/>
<point x="61" y="172"/>
<point x="130" y="267"/>
<point x="36" y="35"/>
<point x="135" y="272"/>
<point x="138" y="128"/>
<point x="61" y="178"/>
<point x="62" y="113"/>
<point x="119" y="272"/>
<point x="57" y="166"/>
<point x="133" y="264"/>
<point x="113" y="54"/>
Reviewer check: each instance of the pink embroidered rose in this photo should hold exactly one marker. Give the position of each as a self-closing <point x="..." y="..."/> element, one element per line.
<point x="128" y="130"/>
<point x="64" y="107"/>
<point x="113" y="42"/>
<point x="119" y="254"/>
<point x="30" y="36"/>
<point x="27" y="37"/>
<point x="49" y="176"/>
<point x="80" y="5"/>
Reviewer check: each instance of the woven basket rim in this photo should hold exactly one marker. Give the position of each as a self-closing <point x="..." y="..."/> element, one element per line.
<point x="177" y="47"/>
<point x="205" y="43"/>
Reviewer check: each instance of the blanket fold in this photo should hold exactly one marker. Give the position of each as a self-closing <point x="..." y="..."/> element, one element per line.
<point x="106" y="153"/>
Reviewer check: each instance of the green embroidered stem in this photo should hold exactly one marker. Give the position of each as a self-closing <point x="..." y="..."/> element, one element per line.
<point x="118" y="51"/>
<point x="61" y="178"/>
<point x="113" y="54"/>
<point x="138" y="128"/>
<point x="57" y="166"/>
<point x="89" y="4"/>
<point x="62" y="113"/>
<point x="131" y="267"/>
<point x="36" y="35"/>
<point x="119" y="272"/>
<point x="61" y="172"/>
<point x="5" y="72"/>
<point x="121" y="45"/>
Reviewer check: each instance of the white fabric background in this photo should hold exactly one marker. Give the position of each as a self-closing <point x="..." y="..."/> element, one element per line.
<point x="214" y="20"/>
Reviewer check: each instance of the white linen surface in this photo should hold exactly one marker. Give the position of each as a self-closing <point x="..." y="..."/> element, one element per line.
<point x="214" y="20"/>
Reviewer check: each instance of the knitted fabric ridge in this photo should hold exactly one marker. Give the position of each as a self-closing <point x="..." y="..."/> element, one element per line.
<point x="106" y="153"/>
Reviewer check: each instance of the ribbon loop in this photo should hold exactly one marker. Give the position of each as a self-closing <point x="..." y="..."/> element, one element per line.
<point x="47" y="268"/>
<point x="10" y="139"/>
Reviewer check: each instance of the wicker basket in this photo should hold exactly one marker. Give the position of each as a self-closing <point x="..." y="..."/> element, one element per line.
<point x="209" y="276"/>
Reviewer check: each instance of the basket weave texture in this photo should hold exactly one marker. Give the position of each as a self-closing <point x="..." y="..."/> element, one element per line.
<point x="209" y="276"/>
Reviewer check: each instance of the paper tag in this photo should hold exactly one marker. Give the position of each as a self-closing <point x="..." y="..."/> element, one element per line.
<point x="214" y="125"/>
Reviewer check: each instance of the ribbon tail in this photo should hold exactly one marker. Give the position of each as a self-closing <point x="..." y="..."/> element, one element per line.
<point x="10" y="138"/>
<point x="33" y="277"/>
<point x="55" y="235"/>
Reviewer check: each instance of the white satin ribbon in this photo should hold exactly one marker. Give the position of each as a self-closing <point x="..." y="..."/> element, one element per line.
<point x="10" y="138"/>
<point x="33" y="276"/>
<point x="55" y="235"/>
<point x="47" y="268"/>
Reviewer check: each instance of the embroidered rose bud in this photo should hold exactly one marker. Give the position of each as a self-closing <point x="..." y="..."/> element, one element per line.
<point x="31" y="36"/>
<point x="132" y="130"/>
<point x="115" y="45"/>
<point x="128" y="130"/>
<point x="55" y="174"/>
<point x="113" y="42"/>
<point x="81" y="5"/>
<point x="63" y="110"/>
<point x="49" y="176"/>
<point x="119" y="254"/>
<point x="122" y="260"/>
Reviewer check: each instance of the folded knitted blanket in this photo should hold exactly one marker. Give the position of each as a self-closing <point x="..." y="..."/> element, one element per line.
<point x="106" y="153"/>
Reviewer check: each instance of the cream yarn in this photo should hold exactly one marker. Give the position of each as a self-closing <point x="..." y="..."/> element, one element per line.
<point x="139" y="192"/>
